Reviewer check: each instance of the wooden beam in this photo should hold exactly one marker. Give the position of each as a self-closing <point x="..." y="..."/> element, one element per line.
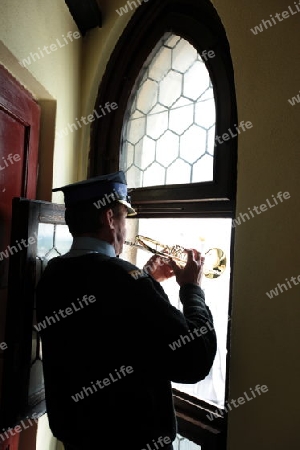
<point x="86" y="14"/>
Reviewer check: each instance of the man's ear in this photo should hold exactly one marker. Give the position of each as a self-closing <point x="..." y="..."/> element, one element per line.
<point x="108" y="219"/>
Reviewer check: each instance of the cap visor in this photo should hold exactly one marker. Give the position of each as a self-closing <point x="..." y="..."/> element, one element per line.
<point x="130" y="210"/>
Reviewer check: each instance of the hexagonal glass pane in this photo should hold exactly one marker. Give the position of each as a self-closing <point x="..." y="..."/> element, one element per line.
<point x="196" y="81"/>
<point x="63" y="239"/>
<point x="172" y="41"/>
<point x="144" y="153"/>
<point x="182" y="443"/>
<point x="181" y="118"/>
<point x="179" y="173"/>
<point x="136" y="130"/>
<point x="134" y="177"/>
<point x="205" y="113"/>
<point x="203" y="169"/>
<point x="161" y="64"/>
<point x="167" y="148"/>
<point x="45" y="239"/>
<point x="147" y="96"/>
<point x="157" y="124"/>
<point x="170" y="88"/>
<point x="154" y="175"/>
<point x="170" y="119"/>
<point x="211" y="140"/>
<point x="193" y="144"/>
<point x="129" y="150"/>
<point x="184" y="55"/>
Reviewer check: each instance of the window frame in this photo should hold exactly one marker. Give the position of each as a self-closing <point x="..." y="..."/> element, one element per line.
<point x="127" y="59"/>
<point x="16" y="402"/>
<point x="197" y="22"/>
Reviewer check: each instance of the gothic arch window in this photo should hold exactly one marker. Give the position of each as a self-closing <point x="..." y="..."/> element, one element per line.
<point x="169" y="127"/>
<point x="172" y="78"/>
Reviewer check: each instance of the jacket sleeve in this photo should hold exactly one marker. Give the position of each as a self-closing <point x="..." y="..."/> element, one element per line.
<point x="185" y="342"/>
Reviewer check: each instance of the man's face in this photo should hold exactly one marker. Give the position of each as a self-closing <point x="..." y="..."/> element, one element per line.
<point x="120" y="229"/>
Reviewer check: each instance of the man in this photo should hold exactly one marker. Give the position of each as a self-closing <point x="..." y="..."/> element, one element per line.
<point x="107" y="354"/>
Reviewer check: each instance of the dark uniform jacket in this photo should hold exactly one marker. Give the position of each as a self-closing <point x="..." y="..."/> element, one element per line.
<point x="107" y="331"/>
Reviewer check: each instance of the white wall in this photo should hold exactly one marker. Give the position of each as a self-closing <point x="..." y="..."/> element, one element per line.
<point x="54" y="80"/>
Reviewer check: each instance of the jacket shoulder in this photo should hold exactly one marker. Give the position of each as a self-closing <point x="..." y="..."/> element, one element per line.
<point x="130" y="268"/>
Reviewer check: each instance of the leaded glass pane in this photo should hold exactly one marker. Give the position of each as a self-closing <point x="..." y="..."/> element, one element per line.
<point x="182" y="443"/>
<point x="53" y="240"/>
<point x="169" y="130"/>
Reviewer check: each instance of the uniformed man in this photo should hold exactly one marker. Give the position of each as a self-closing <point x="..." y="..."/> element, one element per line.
<point x="108" y="335"/>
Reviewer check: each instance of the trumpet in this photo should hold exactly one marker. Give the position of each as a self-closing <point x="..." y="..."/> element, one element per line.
<point x="214" y="263"/>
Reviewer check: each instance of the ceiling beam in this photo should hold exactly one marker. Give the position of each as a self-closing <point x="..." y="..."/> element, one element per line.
<point x="86" y="14"/>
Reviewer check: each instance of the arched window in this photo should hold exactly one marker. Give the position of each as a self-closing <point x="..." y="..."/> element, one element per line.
<point x="172" y="78"/>
<point x="169" y="127"/>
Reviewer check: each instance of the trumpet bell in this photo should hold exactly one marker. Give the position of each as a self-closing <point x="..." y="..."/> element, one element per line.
<point x="215" y="263"/>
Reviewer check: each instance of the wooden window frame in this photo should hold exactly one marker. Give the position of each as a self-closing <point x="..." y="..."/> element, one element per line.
<point x="198" y="22"/>
<point x="16" y="403"/>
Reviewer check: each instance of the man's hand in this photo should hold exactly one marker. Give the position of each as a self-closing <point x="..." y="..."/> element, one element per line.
<point x="192" y="272"/>
<point x="159" y="268"/>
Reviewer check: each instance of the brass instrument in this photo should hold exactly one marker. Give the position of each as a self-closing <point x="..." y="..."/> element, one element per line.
<point x="215" y="258"/>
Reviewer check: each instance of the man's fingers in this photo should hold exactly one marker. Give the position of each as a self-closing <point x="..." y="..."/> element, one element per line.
<point x="174" y="266"/>
<point x="190" y="254"/>
<point x="193" y="255"/>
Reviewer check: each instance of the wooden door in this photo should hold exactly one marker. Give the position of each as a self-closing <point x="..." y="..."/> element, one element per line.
<point x="19" y="138"/>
